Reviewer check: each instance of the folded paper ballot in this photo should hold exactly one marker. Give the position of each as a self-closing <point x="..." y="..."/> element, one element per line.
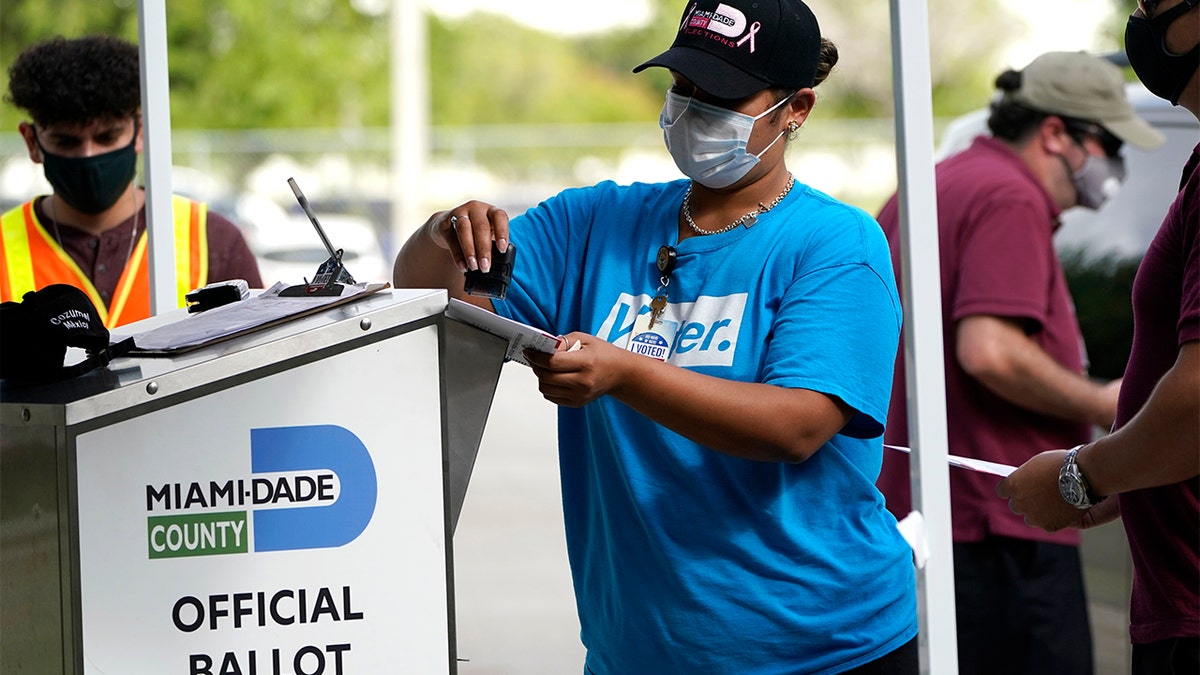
<point x="520" y="337"/>
<point x="980" y="465"/>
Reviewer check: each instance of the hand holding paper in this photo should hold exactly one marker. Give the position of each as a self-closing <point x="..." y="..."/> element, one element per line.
<point x="520" y="337"/>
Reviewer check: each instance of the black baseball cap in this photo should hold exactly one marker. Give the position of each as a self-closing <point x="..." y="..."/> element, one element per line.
<point x="734" y="48"/>
<point x="35" y="334"/>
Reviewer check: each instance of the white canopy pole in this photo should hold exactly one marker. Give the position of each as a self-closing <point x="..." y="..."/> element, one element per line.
<point x="410" y="118"/>
<point x="156" y="155"/>
<point x="921" y="278"/>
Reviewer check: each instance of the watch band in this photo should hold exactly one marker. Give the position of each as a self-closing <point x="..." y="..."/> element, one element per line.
<point x="1073" y="485"/>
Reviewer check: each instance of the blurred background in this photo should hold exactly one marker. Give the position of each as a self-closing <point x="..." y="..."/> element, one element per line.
<point x="524" y="98"/>
<point x="528" y="97"/>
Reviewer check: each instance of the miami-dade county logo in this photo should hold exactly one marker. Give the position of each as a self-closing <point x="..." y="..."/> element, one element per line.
<point x="320" y="493"/>
<point x="723" y="24"/>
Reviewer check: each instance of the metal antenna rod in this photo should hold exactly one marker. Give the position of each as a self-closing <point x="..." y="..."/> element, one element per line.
<point x="313" y="217"/>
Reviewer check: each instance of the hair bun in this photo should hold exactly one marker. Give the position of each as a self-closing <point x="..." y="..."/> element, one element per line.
<point x="1009" y="80"/>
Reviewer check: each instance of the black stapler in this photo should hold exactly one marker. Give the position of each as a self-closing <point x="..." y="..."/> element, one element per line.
<point x="216" y="294"/>
<point x="494" y="282"/>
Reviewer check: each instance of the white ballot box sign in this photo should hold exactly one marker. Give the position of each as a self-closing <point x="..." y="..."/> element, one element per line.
<point x="275" y="526"/>
<point x="279" y="504"/>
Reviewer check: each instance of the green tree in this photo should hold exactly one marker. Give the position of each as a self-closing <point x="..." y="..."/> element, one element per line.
<point x="238" y="64"/>
<point x="966" y="40"/>
<point x="1115" y="30"/>
<point x="1101" y="289"/>
<point x="527" y="77"/>
<point x="315" y="63"/>
<point x="322" y="63"/>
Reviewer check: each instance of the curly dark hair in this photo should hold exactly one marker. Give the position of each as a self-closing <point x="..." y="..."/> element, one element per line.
<point x="76" y="81"/>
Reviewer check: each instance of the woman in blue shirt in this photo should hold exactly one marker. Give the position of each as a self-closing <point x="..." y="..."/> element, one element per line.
<point x="722" y="402"/>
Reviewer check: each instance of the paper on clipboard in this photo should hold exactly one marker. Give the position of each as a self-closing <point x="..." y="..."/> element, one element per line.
<point x="264" y="310"/>
<point x="520" y="336"/>
<point x="980" y="465"/>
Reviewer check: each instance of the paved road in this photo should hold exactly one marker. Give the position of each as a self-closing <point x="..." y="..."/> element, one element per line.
<point x="515" y="608"/>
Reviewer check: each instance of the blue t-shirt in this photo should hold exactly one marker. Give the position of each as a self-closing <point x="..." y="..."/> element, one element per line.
<point x="684" y="559"/>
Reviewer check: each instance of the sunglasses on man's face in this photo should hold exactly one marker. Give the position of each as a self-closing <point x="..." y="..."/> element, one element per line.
<point x="1110" y="143"/>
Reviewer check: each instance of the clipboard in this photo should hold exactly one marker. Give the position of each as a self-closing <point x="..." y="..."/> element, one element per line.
<point x="263" y="311"/>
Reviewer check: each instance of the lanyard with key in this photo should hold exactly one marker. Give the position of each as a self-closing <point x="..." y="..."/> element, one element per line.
<point x="665" y="261"/>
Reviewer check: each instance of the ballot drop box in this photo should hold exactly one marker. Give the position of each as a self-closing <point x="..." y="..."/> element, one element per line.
<point x="279" y="502"/>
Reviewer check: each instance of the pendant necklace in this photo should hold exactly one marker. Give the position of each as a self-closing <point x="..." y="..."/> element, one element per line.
<point x="132" y="235"/>
<point x="747" y="220"/>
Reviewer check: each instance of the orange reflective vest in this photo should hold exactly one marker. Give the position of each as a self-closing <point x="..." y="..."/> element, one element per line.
<point x="30" y="259"/>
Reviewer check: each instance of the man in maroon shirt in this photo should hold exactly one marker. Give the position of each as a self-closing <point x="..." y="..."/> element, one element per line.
<point x="1015" y="373"/>
<point x="1151" y="462"/>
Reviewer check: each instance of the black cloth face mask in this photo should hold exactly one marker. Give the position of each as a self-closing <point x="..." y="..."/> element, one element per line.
<point x="1164" y="74"/>
<point x="91" y="184"/>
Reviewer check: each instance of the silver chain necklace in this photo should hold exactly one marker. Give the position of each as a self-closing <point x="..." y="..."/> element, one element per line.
<point x="132" y="235"/>
<point x="747" y="220"/>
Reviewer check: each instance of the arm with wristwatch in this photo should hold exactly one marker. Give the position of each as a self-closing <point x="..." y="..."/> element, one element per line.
<point x="1160" y="445"/>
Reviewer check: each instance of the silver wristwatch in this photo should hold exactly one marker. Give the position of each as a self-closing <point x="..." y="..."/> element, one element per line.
<point x="1073" y="486"/>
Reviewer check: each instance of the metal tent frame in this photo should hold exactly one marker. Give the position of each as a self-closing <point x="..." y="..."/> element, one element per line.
<point x="919" y="254"/>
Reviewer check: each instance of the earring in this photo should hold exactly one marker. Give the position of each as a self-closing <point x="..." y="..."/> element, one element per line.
<point x="793" y="126"/>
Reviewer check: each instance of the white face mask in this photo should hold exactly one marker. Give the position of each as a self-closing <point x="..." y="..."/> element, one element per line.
<point x="1098" y="180"/>
<point x="708" y="142"/>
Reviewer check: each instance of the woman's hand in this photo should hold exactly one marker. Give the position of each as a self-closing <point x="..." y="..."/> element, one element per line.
<point x="585" y="369"/>
<point x="468" y="232"/>
<point x="751" y="420"/>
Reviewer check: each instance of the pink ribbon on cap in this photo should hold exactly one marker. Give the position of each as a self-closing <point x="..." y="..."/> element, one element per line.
<point x="754" y="28"/>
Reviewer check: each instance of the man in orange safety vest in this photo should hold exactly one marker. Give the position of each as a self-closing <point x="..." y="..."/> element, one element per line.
<point x="84" y="102"/>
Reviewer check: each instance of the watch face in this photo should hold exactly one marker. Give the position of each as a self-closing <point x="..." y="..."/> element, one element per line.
<point x="1071" y="490"/>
